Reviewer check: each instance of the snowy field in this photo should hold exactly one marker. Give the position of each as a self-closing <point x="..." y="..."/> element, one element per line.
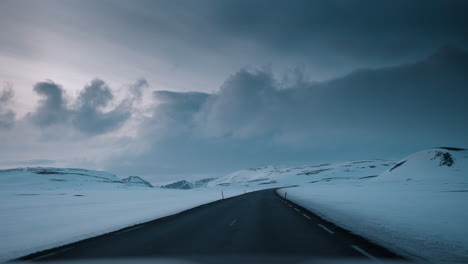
<point x="45" y="208"/>
<point x="419" y="209"/>
<point x="415" y="207"/>
<point x="282" y="176"/>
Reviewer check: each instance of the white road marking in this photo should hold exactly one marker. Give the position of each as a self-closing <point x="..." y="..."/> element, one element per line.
<point x="358" y="249"/>
<point x="326" y="229"/>
<point x="306" y="216"/>
<point x="289" y="205"/>
<point x="131" y="229"/>
<point x="296" y="209"/>
<point x="233" y="222"/>
<point x="53" y="253"/>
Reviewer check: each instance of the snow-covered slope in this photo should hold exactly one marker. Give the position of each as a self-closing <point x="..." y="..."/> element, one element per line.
<point x="42" y="208"/>
<point x="203" y="182"/>
<point x="185" y="185"/>
<point x="416" y="207"/>
<point x="49" y="178"/>
<point x="136" y="181"/>
<point x="439" y="166"/>
<point x="280" y="176"/>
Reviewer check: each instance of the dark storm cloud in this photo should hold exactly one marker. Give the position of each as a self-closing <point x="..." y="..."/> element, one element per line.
<point x="52" y="107"/>
<point x="241" y="105"/>
<point x="87" y="116"/>
<point x="322" y="33"/>
<point x="179" y="107"/>
<point x="255" y="119"/>
<point x="7" y="116"/>
<point x="328" y="36"/>
<point x="429" y="95"/>
<point x="90" y="117"/>
<point x="353" y="28"/>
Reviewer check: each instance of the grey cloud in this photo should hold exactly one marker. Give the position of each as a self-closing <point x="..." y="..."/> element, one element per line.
<point x="7" y="115"/>
<point x="88" y="115"/>
<point x="329" y="36"/>
<point x="136" y="89"/>
<point x="370" y="30"/>
<point x="173" y="115"/>
<point x="254" y="119"/>
<point x="33" y="162"/>
<point x="379" y="30"/>
<point x="7" y="119"/>
<point x="6" y="95"/>
<point x="240" y="107"/>
<point x="94" y="95"/>
<point x="407" y="100"/>
<point x="178" y="106"/>
<point x="52" y="107"/>
<point x="321" y="33"/>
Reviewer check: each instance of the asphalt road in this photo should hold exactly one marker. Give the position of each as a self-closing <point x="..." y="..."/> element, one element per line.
<point x="258" y="224"/>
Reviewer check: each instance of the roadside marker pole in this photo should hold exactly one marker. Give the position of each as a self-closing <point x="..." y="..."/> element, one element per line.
<point x="285" y="195"/>
<point x="222" y="195"/>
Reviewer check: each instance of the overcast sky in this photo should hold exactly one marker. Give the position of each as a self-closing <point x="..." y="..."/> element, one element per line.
<point x="187" y="89"/>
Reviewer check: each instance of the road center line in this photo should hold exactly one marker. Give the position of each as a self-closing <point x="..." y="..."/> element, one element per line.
<point x="326" y="229"/>
<point x="53" y="253"/>
<point x="296" y="209"/>
<point x="358" y="249"/>
<point x="233" y="222"/>
<point x="306" y="216"/>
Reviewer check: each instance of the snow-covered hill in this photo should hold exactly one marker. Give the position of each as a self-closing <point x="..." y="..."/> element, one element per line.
<point x="50" y="179"/>
<point x="416" y="207"/>
<point x="136" y="181"/>
<point x="53" y="179"/>
<point x="438" y="166"/>
<point x="186" y="185"/>
<point x="183" y="185"/>
<point x="280" y="176"/>
<point x="33" y="175"/>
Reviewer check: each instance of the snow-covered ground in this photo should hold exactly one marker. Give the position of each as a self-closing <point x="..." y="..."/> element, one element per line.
<point x="46" y="207"/>
<point x="282" y="176"/>
<point x="417" y="208"/>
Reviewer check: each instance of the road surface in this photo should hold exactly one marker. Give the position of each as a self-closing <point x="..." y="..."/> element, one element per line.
<point x="258" y="224"/>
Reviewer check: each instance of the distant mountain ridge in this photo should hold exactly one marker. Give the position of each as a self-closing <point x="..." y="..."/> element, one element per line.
<point x="136" y="180"/>
<point x="186" y="185"/>
<point x="446" y="165"/>
<point x="101" y="175"/>
<point x="50" y="177"/>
